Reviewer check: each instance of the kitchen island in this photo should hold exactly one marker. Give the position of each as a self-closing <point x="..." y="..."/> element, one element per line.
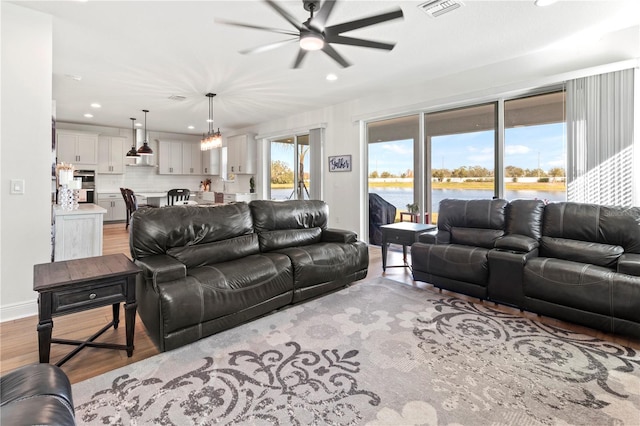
<point x="77" y="233"/>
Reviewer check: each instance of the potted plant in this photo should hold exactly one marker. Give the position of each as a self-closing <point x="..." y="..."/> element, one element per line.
<point x="413" y="207"/>
<point x="252" y="185"/>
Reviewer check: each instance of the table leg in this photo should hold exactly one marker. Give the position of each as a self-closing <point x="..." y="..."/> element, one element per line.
<point x="44" y="340"/>
<point x="385" y="247"/>
<point x="404" y="254"/>
<point x="116" y="315"/>
<point x="130" y="325"/>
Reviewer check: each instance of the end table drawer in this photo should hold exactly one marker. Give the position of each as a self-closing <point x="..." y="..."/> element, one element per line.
<point x="82" y="298"/>
<point x="404" y="239"/>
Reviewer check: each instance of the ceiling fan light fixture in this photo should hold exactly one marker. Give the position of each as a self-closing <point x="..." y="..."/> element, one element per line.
<point x="311" y="41"/>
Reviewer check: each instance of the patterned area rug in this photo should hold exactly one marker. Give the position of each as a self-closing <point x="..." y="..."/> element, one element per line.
<point x="378" y="353"/>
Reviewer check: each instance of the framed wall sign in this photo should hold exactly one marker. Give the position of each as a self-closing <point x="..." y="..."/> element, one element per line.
<point x="340" y="163"/>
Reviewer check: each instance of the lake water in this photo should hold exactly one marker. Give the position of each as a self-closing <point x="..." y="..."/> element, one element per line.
<point x="400" y="197"/>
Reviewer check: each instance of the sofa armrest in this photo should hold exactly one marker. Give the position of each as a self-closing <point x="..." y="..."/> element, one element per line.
<point x="161" y="268"/>
<point x="517" y="242"/>
<point x="332" y="235"/>
<point x="440" y="237"/>
<point x="629" y="263"/>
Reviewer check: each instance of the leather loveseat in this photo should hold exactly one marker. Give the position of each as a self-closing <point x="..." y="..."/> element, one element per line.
<point x="207" y="269"/>
<point x="573" y="261"/>
<point x="37" y="394"/>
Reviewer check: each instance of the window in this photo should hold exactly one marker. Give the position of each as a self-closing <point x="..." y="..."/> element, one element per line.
<point x="460" y="150"/>
<point x="535" y="147"/>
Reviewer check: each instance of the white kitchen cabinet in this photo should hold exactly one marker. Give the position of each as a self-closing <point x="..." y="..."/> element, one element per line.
<point x="77" y="233"/>
<point x="211" y="162"/>
<point x="239" y="196"/>
<point x="113" y="203"/>
<point x="241" y="154"/>
<point x="111" y="154"/>
<point x="77" y="148"/>
<point x="170" y="158"/>
<point x="191" y="158"/>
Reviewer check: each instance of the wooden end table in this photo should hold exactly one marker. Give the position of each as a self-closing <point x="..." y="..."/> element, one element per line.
<point x="82" y="284"/>
<point x="405" y="233"/>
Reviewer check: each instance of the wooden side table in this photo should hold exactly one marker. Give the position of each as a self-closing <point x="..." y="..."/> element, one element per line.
<point x="82" y="284"/>
<point x="404" y="233"/>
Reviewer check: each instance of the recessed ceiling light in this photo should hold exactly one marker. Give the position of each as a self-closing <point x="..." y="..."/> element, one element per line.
<point x="190" y="127"/>
<point x="96" y="105"/>
<point x="332" y="77"/>
<point x="88" y="115"/>
<point x="543" y="3"/>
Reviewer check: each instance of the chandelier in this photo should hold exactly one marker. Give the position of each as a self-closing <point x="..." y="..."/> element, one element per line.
<point x="145" y="149"/>
<point x="212" y="139"/>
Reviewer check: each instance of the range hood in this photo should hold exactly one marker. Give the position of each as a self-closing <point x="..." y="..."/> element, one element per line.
<point x="143" y="160"/>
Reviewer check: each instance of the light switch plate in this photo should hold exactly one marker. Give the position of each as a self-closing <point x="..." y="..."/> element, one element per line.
<point x="17" y="186"/>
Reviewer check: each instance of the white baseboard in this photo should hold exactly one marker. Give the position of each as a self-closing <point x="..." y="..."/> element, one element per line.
<point x="18" y="310"/>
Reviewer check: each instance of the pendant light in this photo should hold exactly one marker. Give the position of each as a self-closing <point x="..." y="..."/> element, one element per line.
<point x="145" y="149"/>
<point x="132" y="152"/>
<point x="212" y="139"/>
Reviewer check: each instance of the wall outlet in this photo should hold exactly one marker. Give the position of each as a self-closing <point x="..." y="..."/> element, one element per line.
<point x="17" y="186"/>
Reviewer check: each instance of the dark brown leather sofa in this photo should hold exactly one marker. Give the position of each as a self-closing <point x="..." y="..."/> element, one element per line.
<point x="207" y="269"/>
<point x="38" y="394"/>
<point x="572" y="261"/>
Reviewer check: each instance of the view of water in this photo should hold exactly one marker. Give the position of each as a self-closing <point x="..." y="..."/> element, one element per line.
<point x="400" y="197"/>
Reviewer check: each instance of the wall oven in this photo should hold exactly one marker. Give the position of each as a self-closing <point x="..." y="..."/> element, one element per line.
<point x="88" y="179"/>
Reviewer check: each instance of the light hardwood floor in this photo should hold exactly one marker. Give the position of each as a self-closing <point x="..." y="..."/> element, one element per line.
<point x="19" y="339"/>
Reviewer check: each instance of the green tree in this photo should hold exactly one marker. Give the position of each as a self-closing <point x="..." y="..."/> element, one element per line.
<point x="385" y="175"/>
<point x="557" y="172"/>
<point x="374" y="174"/>
<point x="281" y="173"/>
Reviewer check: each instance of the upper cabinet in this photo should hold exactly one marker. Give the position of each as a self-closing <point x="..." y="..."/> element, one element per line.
<point x="77" y="148"/>
<point x="241" y="154"/>
<point x="170" y="158"/>
<point x="191" y="158"/>
<point x="111" y="154"/>
<point x="211" y="162"/>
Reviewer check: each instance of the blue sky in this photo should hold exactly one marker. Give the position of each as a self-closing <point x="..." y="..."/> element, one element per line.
<point x="524" y="147"/>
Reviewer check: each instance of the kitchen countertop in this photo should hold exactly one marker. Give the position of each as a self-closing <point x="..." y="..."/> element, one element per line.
<point x="84" y="208"/>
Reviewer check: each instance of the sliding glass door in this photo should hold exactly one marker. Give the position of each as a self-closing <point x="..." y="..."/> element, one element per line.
<point x="290" y="171"/>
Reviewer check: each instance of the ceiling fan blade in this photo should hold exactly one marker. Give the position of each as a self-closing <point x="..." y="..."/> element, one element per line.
<point x="364" y="22"/>
<point x="335" y="55"/>
<point x="320" y="19"/>
<point x="266" y="47"/>
<point x="338" y="39"/>
<point x="257" y="27"/>
<point x="286" y="15"/>
<point x="299" y="58"/>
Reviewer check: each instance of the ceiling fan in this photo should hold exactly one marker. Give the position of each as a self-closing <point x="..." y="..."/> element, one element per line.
<point x="312" y="34"/>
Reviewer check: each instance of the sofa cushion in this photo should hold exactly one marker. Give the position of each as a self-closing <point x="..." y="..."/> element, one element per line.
<point x="616" y="226"/>
<point x="517" y="242"/>
<point x="155" y="231"/>
<point x="213" y="291"/>
<point x="629" y="263"/>
<point x="274" y="240"/>
<point x="484" y="214"/>
<point x="475" y="236"/>
<point x="197" y="255"/>
<point x="325" y="262"/>
<point x="292" y="214"/>
<point x="524" y="217"/>
<point x="566" y="283"/>
<point x="581" y="251"/>
<point x="457" y="262"/>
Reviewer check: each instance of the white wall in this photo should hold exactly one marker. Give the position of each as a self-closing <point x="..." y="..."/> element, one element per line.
<point x="25" y="153"/>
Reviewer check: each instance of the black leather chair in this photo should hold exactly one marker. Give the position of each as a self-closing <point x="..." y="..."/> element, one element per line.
<point x="177" y="195"/>
<point x="37" y="394"/>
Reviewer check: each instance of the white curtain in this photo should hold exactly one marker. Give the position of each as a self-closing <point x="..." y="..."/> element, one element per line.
<point x="600" y="139"/>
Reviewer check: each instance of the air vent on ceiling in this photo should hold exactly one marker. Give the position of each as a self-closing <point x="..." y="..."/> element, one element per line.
<point x="177" y="98"/>
<point x="436" y="8"/>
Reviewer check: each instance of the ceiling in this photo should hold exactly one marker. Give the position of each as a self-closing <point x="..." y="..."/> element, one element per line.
<point x="128" y="56"/>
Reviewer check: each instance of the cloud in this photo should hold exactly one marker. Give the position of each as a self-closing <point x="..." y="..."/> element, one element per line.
<point x="397" y="149"/>
<point x="516" y="149"/>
